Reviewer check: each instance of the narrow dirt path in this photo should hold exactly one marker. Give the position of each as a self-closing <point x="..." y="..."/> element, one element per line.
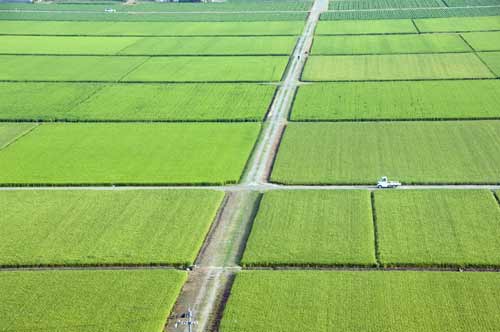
<point x="210" y="282"/>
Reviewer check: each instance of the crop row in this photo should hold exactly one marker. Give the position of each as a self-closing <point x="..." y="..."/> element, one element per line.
<point x="307" y="301"/>
<point x="435" y="12"/>
<point x="82" y="301"/>
<point x="405" y="26"/>
<point x="393" y="228"/>
<point x="76" y="28"/>
<point x="134" y="102"/>
<point x="275" y="45"/>
<point x="102" y="16"/>
<point x="142" y="69"/>
<point x="403" y="100"/>
<point x="451" y="152"/>
<point x="126" y="153"/>
<point x="383" y="4"/>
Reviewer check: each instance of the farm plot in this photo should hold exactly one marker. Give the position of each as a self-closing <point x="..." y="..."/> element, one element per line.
<point x="389" y="44"/>
<point x="276" y="45"/>
<point x="383" y="4"/>
<point x="82" y="301"/>
<point x="312" y="228"/>
<point x="438" y="227"/>
<point x="70" y="68"/>
<point x="492" y="60"/>
<point x="102" y="16"/>
<point x="10" y="131"/>
<point x="204" y="153"/>
<point x="483" y="41"/>
<point x="134" y="102"/>
<point x="141" y="69"/>
<point x="350" y="27"/>
<point x="395" y="67"/>
<point x="412" y="152"/>
<point x="85" y="227"/>
<point x="474" y="99"/>
<point x="306" y="301"/>
<point x="52" y="45"/>
<point x="206" y="69"/>
<point x="459" y="24"/>
<point x="61" y="28"/>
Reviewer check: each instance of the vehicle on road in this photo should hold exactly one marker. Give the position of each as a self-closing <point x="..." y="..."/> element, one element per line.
<point x="385" y="183"/>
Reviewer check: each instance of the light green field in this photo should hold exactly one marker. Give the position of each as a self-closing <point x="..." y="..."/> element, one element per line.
<point x="312" y="228"/>
<point x="85" y="227"/>
<point x="411" y="152"/>
<point x="458" y="24"/>
<point x="352" y="27"/>
<point x="205" y="69"/>
<point x="394" y="67"/>
<point x="483" y="41"/>
<point x="10" y="131"/>
<point x="83" y="301"/>
<point x="389" y="44"/>
<point x="204" y="153"/>
<point x="83" y="28"/>
<point x="69" y="68"/>
<point x="137" y="68"/>
<point x="280" y="45"/>
<point x="134" y="102"/>
<point x="276" y="45"/>
<point x="468" y="99"/>
<point x="438" y="227"/>
<point x="383" y="4"/>
<point x="492" y="60"/>
<point x="307" y="301"/>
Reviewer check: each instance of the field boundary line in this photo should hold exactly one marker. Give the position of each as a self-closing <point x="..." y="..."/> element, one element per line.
<point x="63" y="120"/>
<point x="497" y="198"/>
<point x="401" y="33"/>
<point x="153" y="12"/>
<point x="68" y="55"/>
<point x="83" y="35"/>
<point x="408" y="80"/>
<point x="437" y="119"/>
<point x="367" y="268"/>
<point x="18" y="137"/>
<point x="467" y="43"/>
<point x="375" y="229"/>
<point x="416" y="26"/>
<point x="69" y="267"/>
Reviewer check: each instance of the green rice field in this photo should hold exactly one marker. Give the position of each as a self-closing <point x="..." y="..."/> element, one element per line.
<point x="134" y="102"/>
<point x="146" y="227"/>
<point x="81" y="301"/>
<point x="477" y="99"/>
<point x="205" y="153"/>
<point x="303" y="301"/>
<point x="82" y="28"/>
<point x="364" y="27"/>
<point x="438" y="227"/>
<point x="395" y="67"/>
<point x="459" y="24"/>
<point x="483" y="41"/>
<point x="465" y="152"/>
<point x="10" y="132"/>
<point x="143" y="69"/>
<point x="59" y="45"/>
<point x="312" y="228"/>
<point x="383" y="4"/>
<point x="492" y="60"/>
<point x="389" y="44"/>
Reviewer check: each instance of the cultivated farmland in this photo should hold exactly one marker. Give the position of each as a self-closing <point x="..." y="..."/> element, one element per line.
<point x="459" y="24"/>
<point x="440" y="227"/>
<point x="83" y="28"/>
<point x="303" y="301"/>
<point x="134" y="102"/>
<point x="363" y="27"/>
<point x="413" y="152"/>
<point x="483" y="41"/>
<point x="492" y="60"/>
<point x="81" y="301"/>
<point x="388" y="44"/>
<point x="312" y="228"/>
<point x="10" y="132"/>
<point x="104" y="227"/>
<point x="143" y="69"/>
<point x="396" y="67"/>
<point x="115" y="154"/>
<point x="276" y="45"/>
<point x="398" y="100"/>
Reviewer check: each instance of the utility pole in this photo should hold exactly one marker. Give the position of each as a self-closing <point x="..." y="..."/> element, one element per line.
<point x="187" y="319"/>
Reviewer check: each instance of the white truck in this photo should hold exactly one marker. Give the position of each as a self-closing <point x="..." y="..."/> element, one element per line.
<point x="385" y="183"/>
